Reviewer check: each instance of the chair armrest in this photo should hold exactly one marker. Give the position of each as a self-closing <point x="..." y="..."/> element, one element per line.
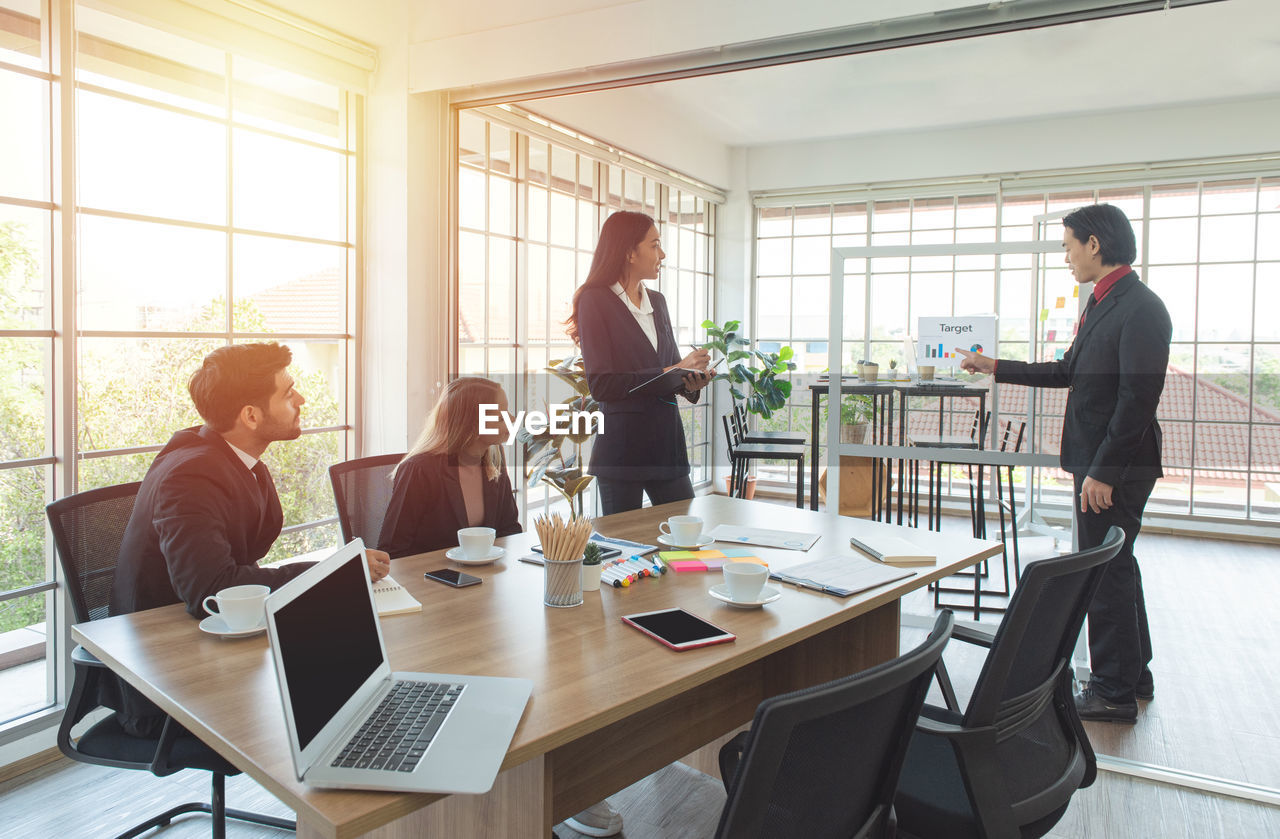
<point x="973" y="636"/>
<point x="80" y="655"/>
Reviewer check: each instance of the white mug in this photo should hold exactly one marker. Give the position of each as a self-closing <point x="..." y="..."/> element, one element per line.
<point x="239" y="606"/>
<point x="745" y="580"/>
<point x="476" y="542"/>
<point x="685" y="531"/>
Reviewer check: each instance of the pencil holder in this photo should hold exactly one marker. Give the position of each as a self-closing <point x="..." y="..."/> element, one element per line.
<point x="562" y="582"/>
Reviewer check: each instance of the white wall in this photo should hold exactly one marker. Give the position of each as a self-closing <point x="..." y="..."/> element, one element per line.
<point x="1204" y="130"/>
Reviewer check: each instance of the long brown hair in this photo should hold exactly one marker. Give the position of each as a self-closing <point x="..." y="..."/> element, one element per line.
<point x="621" y="234"/>
<point x="454" y="422"/>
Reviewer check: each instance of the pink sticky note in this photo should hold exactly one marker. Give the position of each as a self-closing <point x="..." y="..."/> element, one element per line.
<point x="682" y="565"/>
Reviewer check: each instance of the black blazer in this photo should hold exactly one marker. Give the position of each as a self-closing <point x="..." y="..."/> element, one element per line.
<point x="200" y="524"/>
<point x="643" y="437"/>
<point x="1114" y="371"/>
<point x="427" y="509"/>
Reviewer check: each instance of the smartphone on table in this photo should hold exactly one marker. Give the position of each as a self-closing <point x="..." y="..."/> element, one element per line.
<point x="451" y="577"/>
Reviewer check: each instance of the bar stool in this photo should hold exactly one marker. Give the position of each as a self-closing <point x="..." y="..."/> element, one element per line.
<point x="1005" y="501"/>
<point x="741" y="455"/>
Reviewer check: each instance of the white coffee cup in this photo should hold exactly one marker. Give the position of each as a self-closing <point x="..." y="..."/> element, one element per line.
<point x="683" y="530"/>
<point x="239" y="606"/>
<point x="476" y="542"/>
<point x="745" y="580"/>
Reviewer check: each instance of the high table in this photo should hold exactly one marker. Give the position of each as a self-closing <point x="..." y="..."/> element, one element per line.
<point x="609" y="704"/>
<point x="883" y="431"/>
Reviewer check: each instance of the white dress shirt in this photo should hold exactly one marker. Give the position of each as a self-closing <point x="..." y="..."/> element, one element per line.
<point x="642" y="313"/>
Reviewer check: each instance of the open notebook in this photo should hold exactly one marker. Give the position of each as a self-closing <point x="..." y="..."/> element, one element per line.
<point x="391" y="598"/>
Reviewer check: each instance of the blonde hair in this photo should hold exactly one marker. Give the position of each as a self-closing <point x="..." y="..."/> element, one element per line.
<point x="454" y="422"/>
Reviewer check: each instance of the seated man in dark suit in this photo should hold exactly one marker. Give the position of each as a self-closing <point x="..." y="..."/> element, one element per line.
<point x="207" y="510"/>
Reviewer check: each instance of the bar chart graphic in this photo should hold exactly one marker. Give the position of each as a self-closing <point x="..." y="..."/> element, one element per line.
<point x="940" y="337"/>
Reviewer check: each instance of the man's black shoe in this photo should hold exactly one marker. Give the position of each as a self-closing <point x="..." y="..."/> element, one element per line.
<point x="1094" y="708"/>
<point x="1146" y="687"/>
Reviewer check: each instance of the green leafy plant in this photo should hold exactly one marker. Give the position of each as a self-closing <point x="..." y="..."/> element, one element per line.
<point x="545" y="458"/>
<point x="752" y="373"/>
<point x="591" y="554"/>
<point x="856" y="408"/>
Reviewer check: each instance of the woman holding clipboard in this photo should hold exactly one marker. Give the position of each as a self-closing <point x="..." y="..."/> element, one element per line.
<point x="634" y="369"/>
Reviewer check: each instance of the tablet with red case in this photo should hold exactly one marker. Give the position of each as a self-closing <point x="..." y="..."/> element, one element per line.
<point x="678" y="629"/>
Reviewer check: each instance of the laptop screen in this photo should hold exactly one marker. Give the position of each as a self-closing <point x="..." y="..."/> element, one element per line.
<point x="328" y="639"/>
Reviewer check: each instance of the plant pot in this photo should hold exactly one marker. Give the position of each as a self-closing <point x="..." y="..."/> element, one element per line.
<point x="562" y="582"/>
<point x="853" y="434"/>
<point x="591" y="576"/>
<point x="751" y="486"/>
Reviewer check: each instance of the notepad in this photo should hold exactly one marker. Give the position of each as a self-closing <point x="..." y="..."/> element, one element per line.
<point x="839" y="575"/>
<point x="391" y="598"/>
<point x="892" y="550"/>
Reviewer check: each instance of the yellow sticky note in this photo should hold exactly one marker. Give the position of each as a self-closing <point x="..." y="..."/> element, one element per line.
<point x="1075" y="292"/>
<point x="1062" y="301"/>
<point x="1044" y="314"/>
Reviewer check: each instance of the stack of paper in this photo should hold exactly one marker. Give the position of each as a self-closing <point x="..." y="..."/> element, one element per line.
<point x="392" y="599"/>
<point x="839" y="575"/>
<point x="789" y="539"/>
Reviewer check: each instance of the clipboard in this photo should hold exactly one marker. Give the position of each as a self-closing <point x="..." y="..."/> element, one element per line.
<point x="668" y="382"/>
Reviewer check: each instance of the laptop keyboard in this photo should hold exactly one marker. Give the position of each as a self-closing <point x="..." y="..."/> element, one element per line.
<point x="398" y="732"/>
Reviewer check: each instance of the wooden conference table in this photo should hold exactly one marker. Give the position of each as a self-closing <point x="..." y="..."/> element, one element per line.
<point x="609" y="705"/>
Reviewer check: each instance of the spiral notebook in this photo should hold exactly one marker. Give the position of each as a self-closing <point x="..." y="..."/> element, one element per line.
<point x="391" y="598"/>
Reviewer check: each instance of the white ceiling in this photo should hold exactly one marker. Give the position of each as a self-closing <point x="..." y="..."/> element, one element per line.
<point x="1213" y="52"/>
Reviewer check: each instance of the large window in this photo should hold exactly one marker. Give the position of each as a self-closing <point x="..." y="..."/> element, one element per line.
<point x="529" y="211"/>
<point x="215" y="202"/>
<point x="1206" y="246"/>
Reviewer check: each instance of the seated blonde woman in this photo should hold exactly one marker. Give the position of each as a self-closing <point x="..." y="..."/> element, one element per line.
<point x="453" y="477"/>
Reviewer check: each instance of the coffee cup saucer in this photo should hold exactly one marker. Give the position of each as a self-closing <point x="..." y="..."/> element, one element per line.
<point x="215" y="625"/>
<point x="767" y="595"/>
<point x="460" y="557"/>
<point x="702" y="542"/>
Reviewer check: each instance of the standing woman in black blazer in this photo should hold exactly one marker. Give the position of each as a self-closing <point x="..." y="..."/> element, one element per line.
<point x="453" y="477"/>
<point x="624" y="330"/>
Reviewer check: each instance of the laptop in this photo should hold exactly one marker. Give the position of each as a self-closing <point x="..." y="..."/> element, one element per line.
<point x="354" y="724"/>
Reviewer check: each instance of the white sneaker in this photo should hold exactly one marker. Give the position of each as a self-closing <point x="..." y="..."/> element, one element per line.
<point x="597" y="820"/>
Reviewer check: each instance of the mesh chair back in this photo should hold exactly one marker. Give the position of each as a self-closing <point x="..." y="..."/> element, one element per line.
<point x="825" y="761"/>
<point x="1039" y="631"/>
<point x="362" y="491"/>
<point x="88" y="528"/>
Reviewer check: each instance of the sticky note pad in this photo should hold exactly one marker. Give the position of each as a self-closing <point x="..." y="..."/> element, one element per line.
<point x="683" y="565"/>
<point x="706" y="554"/>
<point x="1062" y="301"/>
<point x="734" y="553"/>
<point x="1052" y="334"/>
<point x="667" y="556"/>
<point x="1044" y="314"/>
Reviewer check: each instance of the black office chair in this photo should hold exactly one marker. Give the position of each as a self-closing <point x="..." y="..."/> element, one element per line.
<point x="1007" y="766"/>
<point x="824" y="761"/>
<point x="746" y="435"/>
<point x="741" y="454"/>
<point x="362" y="491"/>
<point x="87" y="531"/>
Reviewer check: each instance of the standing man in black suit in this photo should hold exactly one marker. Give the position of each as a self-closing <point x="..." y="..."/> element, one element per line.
<point x="1114" y="373"/>
<point x="207" y="509"/>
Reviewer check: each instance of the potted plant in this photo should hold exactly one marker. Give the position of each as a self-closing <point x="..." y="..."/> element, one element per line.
<point x="856" y="414"/>
<point x="752" y="374"/>
<point x="591" y="567"/>
<point x="545" y="459"/>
